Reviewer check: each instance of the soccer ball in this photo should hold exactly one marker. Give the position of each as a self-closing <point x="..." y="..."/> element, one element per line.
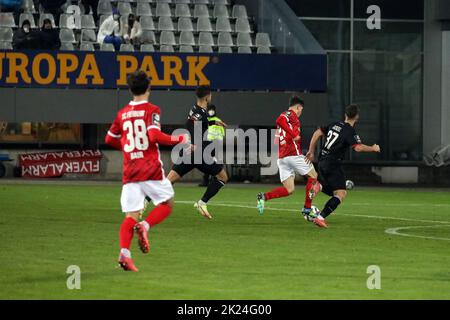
<point x="312" y="215"/>
<point x="349" y="184"/>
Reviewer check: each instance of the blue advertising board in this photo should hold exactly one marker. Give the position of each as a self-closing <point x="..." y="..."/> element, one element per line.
<point x="167" y="71"/>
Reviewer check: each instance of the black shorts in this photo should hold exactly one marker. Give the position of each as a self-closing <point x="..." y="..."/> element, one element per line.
<point x="331" y="176"/>
<point x="212" y="168"/>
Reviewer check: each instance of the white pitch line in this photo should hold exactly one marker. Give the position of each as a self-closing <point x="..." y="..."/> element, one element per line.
<point x="297" y="210"/>
<point x="395" y="231"/>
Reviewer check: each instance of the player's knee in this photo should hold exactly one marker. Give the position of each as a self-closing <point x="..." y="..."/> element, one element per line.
<point x="222" y="176"/>
<point x="341" y="194"/>
<point x="170" y="203"/>
<point x="134" y="215"/>
<point x="290" y="189"/>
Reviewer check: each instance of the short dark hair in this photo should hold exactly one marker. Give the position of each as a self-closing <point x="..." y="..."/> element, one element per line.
<point x="352" y="111"/>
<point x="203" y="91"/>
<point x="138" y="82"/>
<point x="294" y="100"/>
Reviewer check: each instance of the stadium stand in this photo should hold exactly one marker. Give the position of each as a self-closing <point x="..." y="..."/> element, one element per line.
<point x="205" y="25"/>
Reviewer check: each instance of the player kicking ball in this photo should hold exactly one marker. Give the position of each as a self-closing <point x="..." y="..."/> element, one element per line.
<point x="339" y="137"/>
<point x="136" y="131"/>
<point x="291" y="160"/>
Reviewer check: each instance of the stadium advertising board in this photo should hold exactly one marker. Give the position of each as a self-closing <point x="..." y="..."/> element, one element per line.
<point x="168" y="71"/>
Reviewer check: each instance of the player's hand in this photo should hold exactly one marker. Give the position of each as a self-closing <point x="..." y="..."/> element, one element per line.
<point x="221" y="123"/>
<point x="296" y="138"/>
<point x="310" y="156"/>
<point x="376" y="148"/>
<point x="184" y="138"/>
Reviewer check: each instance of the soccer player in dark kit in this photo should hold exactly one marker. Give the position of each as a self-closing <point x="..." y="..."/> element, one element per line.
<point x="206" y="163"/>
<point x="339" y="137"/>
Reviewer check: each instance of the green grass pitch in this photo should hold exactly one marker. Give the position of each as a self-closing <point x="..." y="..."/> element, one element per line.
<point x="240" y="254"/>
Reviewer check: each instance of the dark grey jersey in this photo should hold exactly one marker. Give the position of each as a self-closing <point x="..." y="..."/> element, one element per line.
<point x="339" y="136"/>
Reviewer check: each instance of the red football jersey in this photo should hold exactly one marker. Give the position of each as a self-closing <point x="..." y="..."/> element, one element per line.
<point x="288" y="127"/>
<point x="141" y="158"/>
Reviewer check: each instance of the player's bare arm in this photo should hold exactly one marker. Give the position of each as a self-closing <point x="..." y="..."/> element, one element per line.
<point x="366" y="148"/>
<point x="312" y="145"/>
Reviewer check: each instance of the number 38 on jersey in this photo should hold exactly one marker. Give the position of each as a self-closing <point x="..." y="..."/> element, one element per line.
<point x="136" y="138"/>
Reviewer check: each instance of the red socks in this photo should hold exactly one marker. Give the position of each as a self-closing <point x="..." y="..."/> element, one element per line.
<point x="309" y="185"/>
<point x="276" y="193"/>
<point x="158" y="214"/>
<point x="126" y="232"/>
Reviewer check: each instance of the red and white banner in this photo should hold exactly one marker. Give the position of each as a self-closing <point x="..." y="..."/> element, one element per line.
<point x="56" y="164"/>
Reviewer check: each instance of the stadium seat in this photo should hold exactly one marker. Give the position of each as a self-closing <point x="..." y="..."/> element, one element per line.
<point x="28" y="6"/>
<point x="205" y="49"/>
<point x="103" y="17"/>
<point x="69" y="21"/>
<point x="201" y="11"/>
<point x="107" y="47"/>
<point x="221" y="2"/>
<point x="44" y="16"/>
<point x="244" y="50"/>
<point x="87" y="46"/>
<point x="73" y="9"/>
<point x="225" y="40"/>
<point x="166" y="48"/>
<point x="148" y="37"/>
<point x="124" y="8"/>
<point x="66" y="35"/>
<point x="7" y="20"/>
<point x="104" y="7"/>
<point x="88" y="35"/>
<point x="167" y="38"/>
<point x="163" y="10"/>
<point x="126" y="47"/>
<point x="87" y="22"/>
<point x="6" y="45"/>
<point x="182" y="10"/>
<point x="185" y="24"/>
<point x="242" y="25"/>
<point x="144" y="1"/>
<point x="223" y="25"/>
<point x="204" y="24"/>
<point x="239" y="11"/>
<point x="165" y="23"/>
<point x="143" y="9"/>
<point x="262" y="40"/>
<point x="225" y="50"/>
<point x="6" y="34"/>
<point x="183" y="1"/>
<point x="147" y="23"/>
<point x="263" y="50"/>
<point x="163" y="1"/>
<point x="187" y="38"/>
<point x="244" y="40"/>
<point x="67" y="46"/>
<point x="200" y="1"/>
<point x="147" y="48"/>
<point x="220" y="11"/>
<point x="187" y="49"/>
<point x="205" y="39"/>
<point x="27" y="16"/>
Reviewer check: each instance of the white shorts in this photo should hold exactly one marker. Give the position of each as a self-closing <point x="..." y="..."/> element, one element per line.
<point x="289" y="166"/>
<point x="133" y="194"/>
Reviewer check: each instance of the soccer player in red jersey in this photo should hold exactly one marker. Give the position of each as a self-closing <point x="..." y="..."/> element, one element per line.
<point x="291" y="160"/>
<point x="136" y="131"/>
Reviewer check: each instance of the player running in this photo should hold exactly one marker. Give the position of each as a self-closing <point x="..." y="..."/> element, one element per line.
<point x="198" y="117"/>
<point x="339" y="137"/>
<point x="136" y="131"/>
<point x="291" y="160"/>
